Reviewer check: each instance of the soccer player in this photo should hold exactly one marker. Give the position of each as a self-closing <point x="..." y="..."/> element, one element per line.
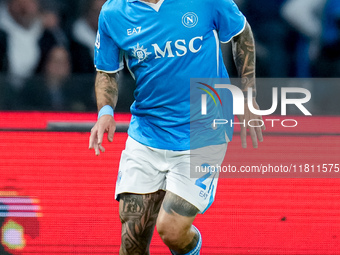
<point x="166" y="43"/>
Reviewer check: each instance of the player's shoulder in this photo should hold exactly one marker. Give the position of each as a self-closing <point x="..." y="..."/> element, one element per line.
<point x="218" y="2"/>
<point x="215" y="3"/>
<point x="113" y="6"/>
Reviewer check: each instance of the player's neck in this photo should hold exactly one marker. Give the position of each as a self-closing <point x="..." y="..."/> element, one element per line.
<point x="151" y="1"/>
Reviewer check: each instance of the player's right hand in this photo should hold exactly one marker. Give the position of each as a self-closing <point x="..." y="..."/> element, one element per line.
<point x="105" y="124"/>
<point x="255" y="132"/>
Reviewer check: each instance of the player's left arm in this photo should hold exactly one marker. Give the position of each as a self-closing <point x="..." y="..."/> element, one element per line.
<point x="243" y="46"/>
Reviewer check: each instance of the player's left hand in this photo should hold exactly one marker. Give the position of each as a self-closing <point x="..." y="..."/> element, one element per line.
<point x="255" y="129"/>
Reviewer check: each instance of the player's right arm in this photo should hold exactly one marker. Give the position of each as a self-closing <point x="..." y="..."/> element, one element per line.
<point x="244" y="57"/>
<point x="106" y="88"/>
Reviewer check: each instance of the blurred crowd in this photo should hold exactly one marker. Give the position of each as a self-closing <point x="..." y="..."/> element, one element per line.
<point x="46" y="48"/>
<point x="46" y="54"/>
<point x="296" y="38"/>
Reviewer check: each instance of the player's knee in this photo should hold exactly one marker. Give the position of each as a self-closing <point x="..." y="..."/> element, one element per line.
<point x="171" y="238"/>
<point x="172" y="234"/>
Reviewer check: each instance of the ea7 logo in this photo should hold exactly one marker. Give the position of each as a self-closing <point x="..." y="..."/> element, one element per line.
<point x="135" y="30"/>
<point x="180" y="48"/>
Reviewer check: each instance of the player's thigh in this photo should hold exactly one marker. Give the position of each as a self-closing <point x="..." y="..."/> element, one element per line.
<point x="138" y="214"/>
<point x="140" y="207"/>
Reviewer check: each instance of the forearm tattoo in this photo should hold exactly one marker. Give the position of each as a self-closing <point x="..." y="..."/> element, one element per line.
<point x="244" y="57"/>
<point x="106" y="90"/>
<point x="138" y="214"/>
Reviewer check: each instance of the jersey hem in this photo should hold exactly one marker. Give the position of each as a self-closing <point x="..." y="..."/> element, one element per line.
<point x="158" y="147"/>
<point x="132" y="189"/>
<point x="115" y="71"/>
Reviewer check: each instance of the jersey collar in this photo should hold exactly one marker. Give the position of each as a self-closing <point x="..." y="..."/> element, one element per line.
<point x="156" y="7"/>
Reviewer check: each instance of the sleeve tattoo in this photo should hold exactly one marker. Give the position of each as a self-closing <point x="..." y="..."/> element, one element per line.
<point x="106" y="88"/>
<point x="243" y="47"/>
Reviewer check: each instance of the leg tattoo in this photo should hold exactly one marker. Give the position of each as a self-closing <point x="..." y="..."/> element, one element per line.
<point x="138" y="214"/>
<point x="175" y="204"/>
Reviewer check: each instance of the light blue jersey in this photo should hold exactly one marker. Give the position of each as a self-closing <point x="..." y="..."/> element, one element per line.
<point x="165" y="45"/>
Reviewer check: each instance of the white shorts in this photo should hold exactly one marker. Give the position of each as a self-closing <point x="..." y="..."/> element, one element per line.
<point x="144" y="170"/>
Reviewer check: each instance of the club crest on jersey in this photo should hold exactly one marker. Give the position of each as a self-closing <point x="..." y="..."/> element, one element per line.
<point x="140" y="53"/>
<point x="190" y="19"/>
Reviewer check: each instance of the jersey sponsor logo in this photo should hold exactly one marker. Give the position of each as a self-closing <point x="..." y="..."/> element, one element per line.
<point x="190" y="19"/>
<point x="180" y="48"/>
<point x="135" y="30"/>
<point x="140" y="53"/>
<point x="97" y="43"/>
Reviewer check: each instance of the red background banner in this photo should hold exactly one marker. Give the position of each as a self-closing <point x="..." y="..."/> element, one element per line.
<point x="74" y="190"/>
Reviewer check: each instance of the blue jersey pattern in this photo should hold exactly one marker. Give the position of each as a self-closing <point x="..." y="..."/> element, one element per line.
<point x="164" y="49"/>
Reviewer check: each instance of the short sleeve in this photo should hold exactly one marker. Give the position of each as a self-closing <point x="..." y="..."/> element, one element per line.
<point x="228" y="19"/>
<point x="107" y="55"/>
